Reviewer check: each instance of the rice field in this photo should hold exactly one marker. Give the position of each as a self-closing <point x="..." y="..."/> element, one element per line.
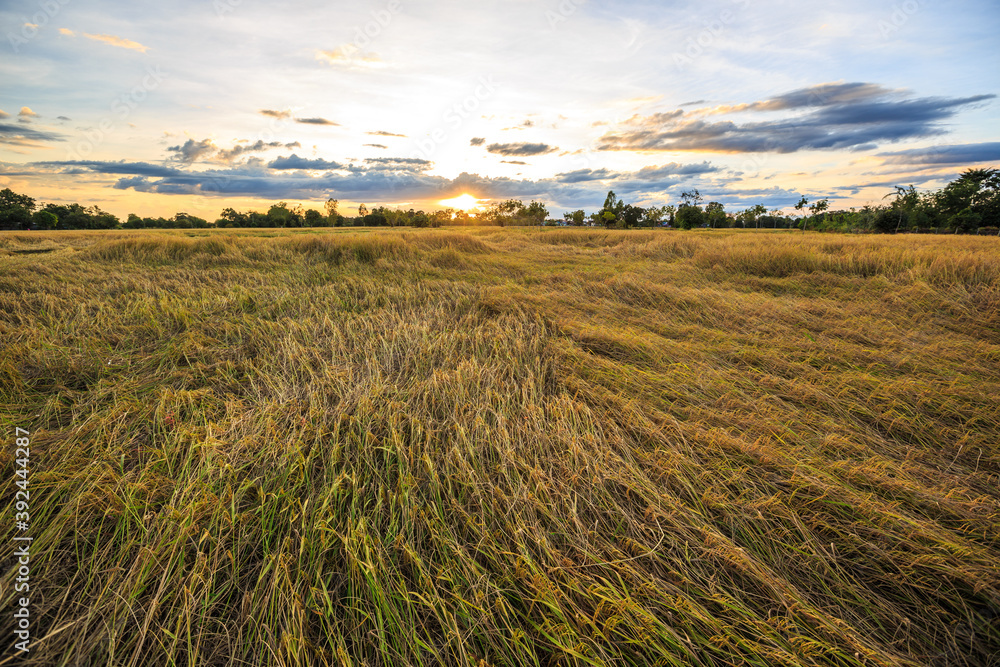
<point x="492" y="447"/>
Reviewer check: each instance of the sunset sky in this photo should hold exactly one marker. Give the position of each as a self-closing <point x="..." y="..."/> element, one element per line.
<point x="198" y="105"/>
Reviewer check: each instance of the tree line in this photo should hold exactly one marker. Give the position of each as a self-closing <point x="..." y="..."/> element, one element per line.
<point x="968" y="204"/>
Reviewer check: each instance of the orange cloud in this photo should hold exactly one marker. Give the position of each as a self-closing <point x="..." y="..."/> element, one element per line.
<point x="350" y="56"/>
<point x="118" y="41"/>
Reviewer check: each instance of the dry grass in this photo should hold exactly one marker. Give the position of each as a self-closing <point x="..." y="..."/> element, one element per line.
<point x="506" y="447"/>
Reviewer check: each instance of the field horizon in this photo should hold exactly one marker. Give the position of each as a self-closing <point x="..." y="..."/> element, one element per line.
<point x="519" y="446"/>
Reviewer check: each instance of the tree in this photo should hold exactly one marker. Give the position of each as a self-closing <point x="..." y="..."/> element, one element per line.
<point x="575" y="218"/>
<point x="233" y="218"/>
<point x="691" y="198"/>
<point x="976" y="191"/>
<point x="668" y="213"/>
<point x="751" y="216"/>
<point x="689" y="213"/>
<point x="631" y="216"/>
<point x="133" y="222"/>
<point x="818" y="207"/>
<point x="611" y="202"/>
<point x="44" y="220"/>
<point x="536" y="213"/>
<point x="314" y="218"/>
<point x="15" y="210"/>
<point x="279" y="215"/>
<point x="503" y="213"/>
<point x="715" y="214"/>
<point x="689" y="216"/>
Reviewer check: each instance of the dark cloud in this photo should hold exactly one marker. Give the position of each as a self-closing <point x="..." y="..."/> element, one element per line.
<point x="844" y="116"/>
<point x="26" y="137"/>
<point x="191" y="150"/>
<point x="585" y="176"/>
<point x="63" y="118"/>
<point x="275" y="114"/>
<point x="136" y="168"/>
<point x="823" y="95"/>
<point x="398" y="163"/>
<point x="513" y="162"/>
<point x="675" y="169"/>
<point x="256" y="147"/>
<point x="383" y="133"/>
<point x="315" y="121"/>
<point x="293" y="161"/>
<point x="946" y="155"/>
<point x="520" y="150"/>
<point x="389" y="180"/>
<point x="477" y="141"/>
<point x="382" y="146"/>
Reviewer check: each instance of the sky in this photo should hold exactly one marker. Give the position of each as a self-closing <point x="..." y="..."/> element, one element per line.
<point x="199" y="105"/>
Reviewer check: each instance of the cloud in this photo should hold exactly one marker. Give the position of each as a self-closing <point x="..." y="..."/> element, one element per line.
<point x="585" y="176"/>
<point x="399" y="163"/>
<point x="4" y="114"/>
<point x="349" y="55"/>
<point x="67" y="32"/>
<point x="101" y="167"/>
<point x="120" y="42"/>
<point x="26" y="112"/>
<point x="382" y="133"/>
<point x="822" y="95"/>
<point x="840" y="116"/>
<point x="293" y="161"/>
<point x="946" y="155"/>
<point x="63" y="118"/>
<point x="26" y="137"/>
<point x="513" y="162"/>
<point x="192" y="150"/>
<point x="675" y="169"/>
<point x="256" y="147"/>
<point x="520" y="150"/>
<point x="275" y="114"/>
<point x="315" y="121"/>
<point x="477" y="141"/>
<point x="377" y="146"/>
<point x="394" y="180"/>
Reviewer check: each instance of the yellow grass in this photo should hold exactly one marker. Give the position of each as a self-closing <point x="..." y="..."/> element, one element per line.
<point x="505" y="447"/>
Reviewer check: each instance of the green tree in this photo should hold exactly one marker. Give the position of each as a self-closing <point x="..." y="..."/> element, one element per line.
<point x="976" y="190"/>
<point x="535" y="213"/>
<point x="314" y="218"/>
<point x="279" y="215"/>
<point x="715" y="215"/>
<point x="44" y="220"/>
<point x="15" y="210"/>
<point x="631" y="216"/>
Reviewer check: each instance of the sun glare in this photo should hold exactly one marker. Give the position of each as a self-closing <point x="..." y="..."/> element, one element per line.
<point x="465" y="202"/>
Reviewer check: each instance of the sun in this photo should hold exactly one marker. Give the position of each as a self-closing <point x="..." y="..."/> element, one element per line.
<point x="464" y="202"/>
